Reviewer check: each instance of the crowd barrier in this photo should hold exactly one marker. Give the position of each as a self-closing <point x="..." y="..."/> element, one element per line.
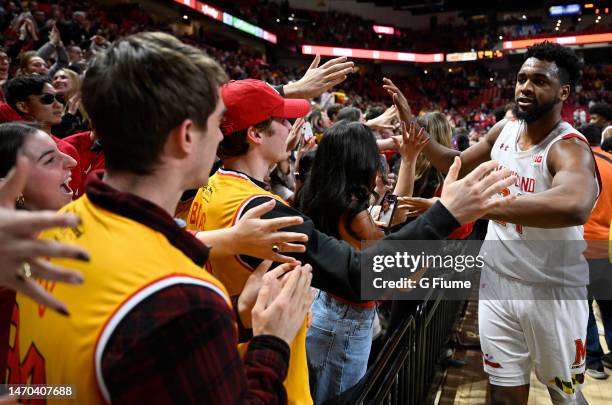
<point x="405" y="367"/>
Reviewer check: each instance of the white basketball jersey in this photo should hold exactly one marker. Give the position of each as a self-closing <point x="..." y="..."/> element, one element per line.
<point x="555" y="255"/>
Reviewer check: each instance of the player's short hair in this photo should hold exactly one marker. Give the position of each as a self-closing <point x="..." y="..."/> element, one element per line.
<point x="602" y="109"/>
<point x="592" y="132"/>
<point x="570" y="67"/>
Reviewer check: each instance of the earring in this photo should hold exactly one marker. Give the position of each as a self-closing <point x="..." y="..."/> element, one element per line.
<point x="20" y="202"/>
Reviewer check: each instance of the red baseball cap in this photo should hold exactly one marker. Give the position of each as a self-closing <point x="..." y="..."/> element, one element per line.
<point x="249" y="102"/>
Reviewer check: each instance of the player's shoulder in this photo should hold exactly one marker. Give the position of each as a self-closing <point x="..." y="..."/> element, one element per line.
<point x="569" y="148"/>
<point x="570" y="139"/>
<point x="497" y="129"/>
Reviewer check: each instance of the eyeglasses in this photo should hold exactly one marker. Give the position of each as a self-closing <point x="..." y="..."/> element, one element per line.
<point x="47" y="99"/>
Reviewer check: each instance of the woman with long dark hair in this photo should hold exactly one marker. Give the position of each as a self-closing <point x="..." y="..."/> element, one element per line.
<point x="336" y="197"/>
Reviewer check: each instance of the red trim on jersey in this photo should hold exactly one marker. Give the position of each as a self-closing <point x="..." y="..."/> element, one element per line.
<point x="231" y="175"/>
<point x="248" y="200"/>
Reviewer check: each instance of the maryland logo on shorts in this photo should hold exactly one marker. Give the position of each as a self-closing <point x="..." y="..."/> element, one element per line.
<point x="488" y="360"/>
<point x="580" y="354"/>
<point x="568" y="386"/>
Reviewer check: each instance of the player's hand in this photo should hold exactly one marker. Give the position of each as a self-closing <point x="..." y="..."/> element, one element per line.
<point x="400" y="101"/>
<point x="470" y="198"/>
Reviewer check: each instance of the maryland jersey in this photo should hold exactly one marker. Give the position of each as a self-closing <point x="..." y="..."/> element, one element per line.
<point x="129" y="262"/>
<point x="556" y="255"/>
<point x="220" y="205"/>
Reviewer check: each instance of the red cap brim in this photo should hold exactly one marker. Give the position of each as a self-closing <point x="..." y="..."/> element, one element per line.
<point x="293" y="108"/>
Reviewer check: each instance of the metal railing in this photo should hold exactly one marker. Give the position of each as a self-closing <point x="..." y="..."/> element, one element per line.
<point x="405" y="367"/>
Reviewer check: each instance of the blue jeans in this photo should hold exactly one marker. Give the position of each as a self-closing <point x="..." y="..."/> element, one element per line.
<point x="600" y="289"/>
<point x="338" y="345"/>
<point x="593" y="347"/>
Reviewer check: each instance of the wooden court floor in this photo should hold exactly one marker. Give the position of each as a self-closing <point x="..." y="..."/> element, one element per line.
<point x="467" y="385"/>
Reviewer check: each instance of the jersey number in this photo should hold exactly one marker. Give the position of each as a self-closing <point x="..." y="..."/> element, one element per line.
<point x="519" y="228"/>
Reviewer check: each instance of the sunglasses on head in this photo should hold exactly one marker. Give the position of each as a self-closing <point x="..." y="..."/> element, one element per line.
<point x="49" y="98"/>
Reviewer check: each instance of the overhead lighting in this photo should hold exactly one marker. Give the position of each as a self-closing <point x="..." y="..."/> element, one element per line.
<point x="500" y="38"/>
<point x="450" y="70"/>
<point x="579" y="19"/>
<point x="425" y="71"/>
<point x="556" y="28"/>
<point x="558" y="21"/>
<point x="295" y="28"/>
<point x="588" y="5"/>
<point x="380" y="36"/>
<point x="490" y="79"/>
<point x="185" y="17"/>
<point x="278" y="20"/>
<point x="290" y="18"/>
<point x="524" y="17"/>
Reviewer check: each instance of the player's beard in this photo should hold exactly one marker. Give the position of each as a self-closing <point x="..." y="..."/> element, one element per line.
<point x="537" y="112"/>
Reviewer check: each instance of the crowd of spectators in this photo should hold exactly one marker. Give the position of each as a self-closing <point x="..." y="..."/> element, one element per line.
<point x="331" y="27"/>
<point x="157" y="115"/>
<point x="70" y="32"/>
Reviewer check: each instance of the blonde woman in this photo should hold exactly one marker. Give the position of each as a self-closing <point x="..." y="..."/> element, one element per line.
<point x="67" y="83"/>
<point x="427" y="179"/>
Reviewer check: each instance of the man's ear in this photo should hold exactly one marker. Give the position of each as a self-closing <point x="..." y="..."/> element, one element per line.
<point x="181" y="140"/>
<point x="253" y="136"/>
<point x="564" y="92"/>
<point x="22" y="107"/>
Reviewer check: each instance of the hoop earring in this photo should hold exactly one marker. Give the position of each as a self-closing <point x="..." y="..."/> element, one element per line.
<point x="20" y="202"/>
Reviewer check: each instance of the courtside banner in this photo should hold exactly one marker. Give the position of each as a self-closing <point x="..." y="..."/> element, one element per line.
<point x="500" y="270"/>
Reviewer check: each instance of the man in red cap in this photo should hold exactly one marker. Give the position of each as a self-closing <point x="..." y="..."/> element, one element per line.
<point x="255" y="129"/>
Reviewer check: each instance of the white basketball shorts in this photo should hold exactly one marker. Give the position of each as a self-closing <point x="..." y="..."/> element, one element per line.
<point x="548" y="332"/>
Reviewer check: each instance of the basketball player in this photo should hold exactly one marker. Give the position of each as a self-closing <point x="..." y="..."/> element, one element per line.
<point x="556" y="190"/>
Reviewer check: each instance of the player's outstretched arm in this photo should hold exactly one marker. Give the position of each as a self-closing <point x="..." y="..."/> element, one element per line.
<point x="442" y="157"/>
<point x="570" y="199"/>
